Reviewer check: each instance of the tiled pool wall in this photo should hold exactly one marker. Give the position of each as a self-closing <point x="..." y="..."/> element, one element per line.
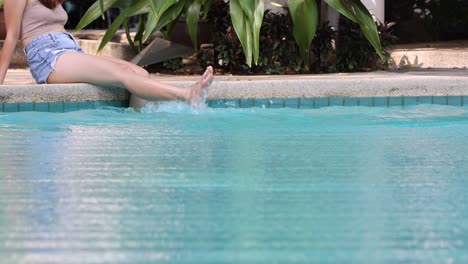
<point x="299" y="103"/>
<point x="58" y="107"/>
<point x="311" y="103"/>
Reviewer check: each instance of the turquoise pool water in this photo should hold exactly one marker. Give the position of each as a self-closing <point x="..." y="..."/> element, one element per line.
<point x="329" y="185"/>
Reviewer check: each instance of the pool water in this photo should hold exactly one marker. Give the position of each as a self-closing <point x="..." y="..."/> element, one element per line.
<point x="173" y="185"/>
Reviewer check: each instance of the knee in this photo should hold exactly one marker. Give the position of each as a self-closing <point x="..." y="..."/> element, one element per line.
<point x="123" y="74"/>
<point x="143" y="72"/>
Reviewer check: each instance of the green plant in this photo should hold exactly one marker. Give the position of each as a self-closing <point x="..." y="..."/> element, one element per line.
<point x="354" y="53"/>
<point x="153" y="15"/>
<point x="279" y="53"/>
<point x="305" y="16"/>
<point x="323" y="49"/>
<point x="278" y="50"/>
<point x="247" y="18"/>
<point x="1" y="3"/>
<point x="76" y="10"/>
<point x="171" y="65"/>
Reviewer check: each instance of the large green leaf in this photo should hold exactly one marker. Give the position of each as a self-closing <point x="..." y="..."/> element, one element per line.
<point x="247" y="18"/>
<point x="240" y="23"/>
<point x="159" y="7"/>
<point x="357" y="12"/>
<point x="305" y="17"/>
<point x="192" y="17"/>
<point x="141" y="7"/>
<point x="101" y="7"/>
<point x="207" y="5"/>
<point x="153" y="24"/>
<point x="254" y="11"/>
<point x="258" y="13"/>
<point x="158" y="12"/>
<point x="94" y="12"/>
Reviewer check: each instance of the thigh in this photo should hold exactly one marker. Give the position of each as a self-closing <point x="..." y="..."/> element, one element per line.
<point x="135" y="101"/>
<point x="74" y="67"/>
<point x="137" y="69"/>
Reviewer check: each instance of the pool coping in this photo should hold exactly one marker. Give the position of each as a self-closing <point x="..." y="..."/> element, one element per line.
<point x="417" y="83"/>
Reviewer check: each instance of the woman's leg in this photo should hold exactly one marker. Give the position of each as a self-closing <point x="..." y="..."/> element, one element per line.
<point x="135" y="101"/>
<point x="73" y="67"/>
<point x="137" y="69"/>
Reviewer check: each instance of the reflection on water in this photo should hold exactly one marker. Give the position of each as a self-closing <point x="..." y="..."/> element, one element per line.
<point x="335" y="185"/>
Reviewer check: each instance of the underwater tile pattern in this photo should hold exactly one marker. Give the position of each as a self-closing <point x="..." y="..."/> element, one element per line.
<point x="291" y="103"/>
<point x="365" y="101"/>
<point x="395" y="101"/>
<point x="311" y="103"/>
<point x="380" y="101"/>
<point x="410" y="100"/>
<point x="10" y="107"/>
<point x="321" y="102"/>
<point x="425" y="100"/>
<point x="41" y="107"/>
<point x="440" y="100"/>
<point x="351" y="101"/>
<point x="277" y="103"/>
<point x="336" y="101"/>
<point x="455" y="100"/>
<point x="297" y="103"/>
<point x="306" y="103"/>
<point x="246" y="103"/>
<point x="58" y="107"/>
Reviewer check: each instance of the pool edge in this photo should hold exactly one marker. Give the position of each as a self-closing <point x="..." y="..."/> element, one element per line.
<point x="419" y="84"/>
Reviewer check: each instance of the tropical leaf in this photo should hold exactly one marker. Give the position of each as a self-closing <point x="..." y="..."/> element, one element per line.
<point x="259" y="11"/>
<point x="153" y="24"/>
<point x="94" y="12"/>
<point x="247" y="19"/>
<point x="101" y="7"/>
<point x="141" y="7"/>
<point x="305" y="17"/>
<point x="207" y="5"/>
<point x="357" y="12"/>
<point x="128" y="35"/>
<point x="240" y="23"/>
<point x="138" y="39"/>
<point x="192" y="17"/>
<point x="159" y="7"/>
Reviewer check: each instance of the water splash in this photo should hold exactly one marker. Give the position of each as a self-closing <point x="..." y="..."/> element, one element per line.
<point x="173" y="107"/>
<point x="200" y="103"/>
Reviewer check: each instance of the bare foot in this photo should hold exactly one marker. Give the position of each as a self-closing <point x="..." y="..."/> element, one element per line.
<point x="197" y="91"/>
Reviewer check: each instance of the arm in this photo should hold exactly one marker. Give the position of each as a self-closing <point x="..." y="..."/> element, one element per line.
<point x="14" y="10"/>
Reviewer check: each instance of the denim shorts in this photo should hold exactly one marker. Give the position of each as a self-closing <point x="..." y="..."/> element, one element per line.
<point x="42" y="53"/>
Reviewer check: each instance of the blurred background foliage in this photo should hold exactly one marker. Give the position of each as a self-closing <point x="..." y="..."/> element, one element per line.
<point x="341" y="49"/>
<point x="416" y="20"/>
<point x="428" y="20"/>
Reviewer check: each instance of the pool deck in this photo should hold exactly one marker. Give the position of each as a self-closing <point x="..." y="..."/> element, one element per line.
<point x="427" y="69"/>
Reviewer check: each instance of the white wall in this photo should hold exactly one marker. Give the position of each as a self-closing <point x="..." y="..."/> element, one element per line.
<point x="276" y="9"/>
<point x="376" y="8"/>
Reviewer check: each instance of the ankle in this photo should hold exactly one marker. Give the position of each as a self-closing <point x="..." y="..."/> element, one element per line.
<point x="185" y="95"/>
